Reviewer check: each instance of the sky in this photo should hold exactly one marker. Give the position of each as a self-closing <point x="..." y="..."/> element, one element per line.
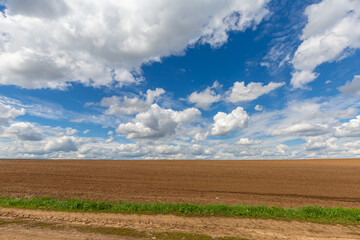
<point x="230" y="79"/>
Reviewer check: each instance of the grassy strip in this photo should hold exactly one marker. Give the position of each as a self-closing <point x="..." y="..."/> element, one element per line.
<point x="310" y="213"/>
<point x="124" y="232"/>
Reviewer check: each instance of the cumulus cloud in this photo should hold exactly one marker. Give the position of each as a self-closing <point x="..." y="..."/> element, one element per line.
<point x="157" y="122"/>
<point x="198" y="133"/>
<point x="71" y="131"/>
<point x="318" y="143"/>
<point x="247" y="141"/>
<point x="258" y="108"/>
<point x="111" y="150"/>
<point x="332" y="28"/>
<point x="226" y="123"/>
<point x="62" y="144"/>
<point x="282" y="148"/>
<point x="352" y="87"/>
<point x="109" y="140"/>
<point x="58" y="131"/>
<point x="310" y="117"/>
<point x="353" y="147"/>
<point x="316" y="121"/>
<point x="106" y="42"/>
<point x="8" y="113"/>
<point x="239" y="92"/>
<point x="130" y="105"/>
<point x="349" y="129"/>
<point x="167" y="149"/>
<point x="23" y="131"/>
<point x="205" y="98"/>
<point x="201" y="136"/>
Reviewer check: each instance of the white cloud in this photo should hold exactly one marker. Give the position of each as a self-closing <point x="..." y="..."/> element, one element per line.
<point x="48" y="9"/>
<point x="353" y="148"/>
<point x="205" y="98"/>
<point x="319" y="143"/>
<point x="346" y="113"/>
<point x="8" y="113"/>
<point x="105" y="42"/>
<point x="247" y="141"/>
<point x="188" y="141"/>
<point x="352" y="87"/>
<point x="258" y="108"/>
<point x="86" y="131"/>
<point x="167" y="149"/>
<point x="226" y="123"/>
<point x="71" y="131"/>
<point x="301" y="78"/>
<point x="332" y="28"/>
<point x="130" y="105"/>
<point x="58" y="131"/>
<point x="282" y="148"/>
<point x="303" y="129"/>
<point x="62" y="144"/>
<point x="157" y="122"/>
<point x="349" y="129"/>
<point x="309" y="117"/>
<point x="239" y="92"/>
<point x="48" y="110"/>
<point x="111" y="150"/>
<point x="27" y="131"/>
<point x="109" y="140"/>
<point x="316" y="117"/>
<point x="77" y="120"/>
<point x="23" y="131"/>
<point x="199" y="134"/>
<point x="305" y="110"/>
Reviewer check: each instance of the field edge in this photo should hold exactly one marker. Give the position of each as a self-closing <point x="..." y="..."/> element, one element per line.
<point x="315" y="214"/>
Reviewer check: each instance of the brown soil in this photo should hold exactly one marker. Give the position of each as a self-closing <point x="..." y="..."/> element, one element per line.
<point x="289" y="183"/>
<point x="213" y="226"/>
<point x="23" y="232"/>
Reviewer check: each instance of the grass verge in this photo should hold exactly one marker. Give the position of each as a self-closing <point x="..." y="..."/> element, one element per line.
<point x="121" y="232"/>
<point x="345" y="216"/>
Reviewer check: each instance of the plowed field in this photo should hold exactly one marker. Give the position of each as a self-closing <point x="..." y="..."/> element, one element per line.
<point x="289" y="183"/>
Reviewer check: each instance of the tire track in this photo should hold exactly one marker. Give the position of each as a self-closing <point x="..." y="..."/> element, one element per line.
<point x="213" y="226"/>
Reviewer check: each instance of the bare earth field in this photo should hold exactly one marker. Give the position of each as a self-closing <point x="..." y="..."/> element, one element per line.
<point x="289" y="183"/>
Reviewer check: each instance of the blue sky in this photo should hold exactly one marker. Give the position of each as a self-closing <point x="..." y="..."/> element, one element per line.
<point x="245" y="79"/>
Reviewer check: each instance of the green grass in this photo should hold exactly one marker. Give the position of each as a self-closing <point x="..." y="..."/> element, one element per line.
<point x="311" y="213"/>
<point x="189" y="236"/>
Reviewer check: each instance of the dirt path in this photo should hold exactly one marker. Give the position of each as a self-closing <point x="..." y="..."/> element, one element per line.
<point x="21" y="232"/>
<point x="213" y="226"/>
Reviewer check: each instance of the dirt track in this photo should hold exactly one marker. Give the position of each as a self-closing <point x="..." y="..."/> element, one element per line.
<point x="280" y="183"/>
<point x="215" y="227"/>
